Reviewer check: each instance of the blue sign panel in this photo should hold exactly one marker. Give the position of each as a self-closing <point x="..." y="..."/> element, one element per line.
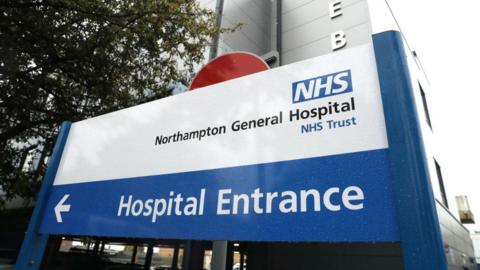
<point x="335" y="198"/>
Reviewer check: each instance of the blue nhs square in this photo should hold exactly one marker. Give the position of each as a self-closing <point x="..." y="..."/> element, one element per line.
<point x="322" y="86"/>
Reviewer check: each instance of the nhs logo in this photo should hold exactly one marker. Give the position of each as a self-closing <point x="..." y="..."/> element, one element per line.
<point x="323" y="86"/>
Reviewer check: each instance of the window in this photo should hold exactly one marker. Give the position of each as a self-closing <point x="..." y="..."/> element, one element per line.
<point x="119" y="253"/>
<point x="440" y="183"/>
<point x="425" y="106"/>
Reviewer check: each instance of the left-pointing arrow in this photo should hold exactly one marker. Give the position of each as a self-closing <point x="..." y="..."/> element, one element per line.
<point x="61" y="207"/>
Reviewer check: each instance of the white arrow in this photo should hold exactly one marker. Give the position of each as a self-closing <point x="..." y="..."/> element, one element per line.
<point x="61" y="208"/>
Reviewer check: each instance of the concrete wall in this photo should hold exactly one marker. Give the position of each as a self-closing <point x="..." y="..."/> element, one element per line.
<point x="254" y="35"/>
<point x="307" y="26"/>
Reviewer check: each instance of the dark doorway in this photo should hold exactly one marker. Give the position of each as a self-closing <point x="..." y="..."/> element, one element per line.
<point x="303" y="256"/>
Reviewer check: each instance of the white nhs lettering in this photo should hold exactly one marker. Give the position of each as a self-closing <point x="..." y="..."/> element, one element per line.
<point x="323" y="86"/>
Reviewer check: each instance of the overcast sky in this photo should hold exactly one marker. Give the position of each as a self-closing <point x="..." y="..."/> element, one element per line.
<point x="446" y="37"/>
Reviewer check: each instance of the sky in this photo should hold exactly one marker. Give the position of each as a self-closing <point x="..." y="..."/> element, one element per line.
<point x="446" y="37"/>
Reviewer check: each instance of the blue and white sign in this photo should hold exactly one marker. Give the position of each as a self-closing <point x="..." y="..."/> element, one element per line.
<point x="297" y="153"/>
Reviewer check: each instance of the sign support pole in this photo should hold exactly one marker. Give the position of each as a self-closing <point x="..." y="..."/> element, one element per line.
<point x="34" y="243"/>
<point x="418" y="221"/>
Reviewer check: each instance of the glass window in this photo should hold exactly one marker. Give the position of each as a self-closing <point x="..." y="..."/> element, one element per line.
<point x="440" y="183"/>
<point x="425" y="106"/>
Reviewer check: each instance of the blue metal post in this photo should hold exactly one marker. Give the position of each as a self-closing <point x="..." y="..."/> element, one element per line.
<point x="34" y="243"/>
<point x="419" y="227"/>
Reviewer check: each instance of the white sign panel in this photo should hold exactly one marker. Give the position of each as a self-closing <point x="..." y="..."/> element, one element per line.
<point x="124" y="144"/>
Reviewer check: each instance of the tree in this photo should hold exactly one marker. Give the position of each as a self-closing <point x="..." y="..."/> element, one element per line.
<point x="74" y="59"/>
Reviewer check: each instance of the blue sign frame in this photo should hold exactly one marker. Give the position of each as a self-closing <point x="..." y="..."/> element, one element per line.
<point x="414" y="201"/>
<point x="34" y="243"/>
<point x="419" y="227"/>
